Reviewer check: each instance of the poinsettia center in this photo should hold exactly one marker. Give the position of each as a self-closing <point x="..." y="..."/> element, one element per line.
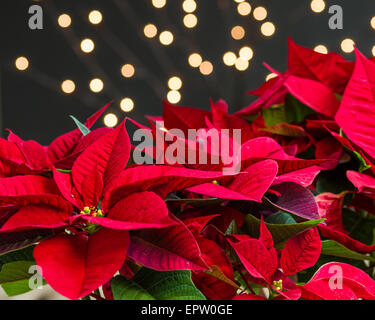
<point x="92" y="211"/>
<point x="278" y="285"/>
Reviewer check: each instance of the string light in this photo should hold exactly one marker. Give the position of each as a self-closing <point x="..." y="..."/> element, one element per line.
<point x="150" y="30"/>
<point x="241" y="64"/>
<point x="321" y="49"/>
<point x="229" y="58"/>
<point x="195" y="60"/>
<point x="190" y="20"/>
<point x="95" y="17"/>
<point x="244" y="8"/>
<point x="127" y="70"/>
<point x="166" y="38"/>
<point x="189" y="6"/>
<point x="21" y="63"/>
<point x="372" y="23"/>
<point x="260" y="13"/>
<point x="206" y="68"/>
<point x="87" y="45"/>
<point x="173" y="96"/>
<point x="271" y="76"/>
<point x="68" y="86"/>
<point x="127" y="104"/>
<point x="64" y="20"/>
<point x="175" y="83"/>
<point x="110" y="120"/>
<point x="317" y="5"/>
<point x="96" y="85"/>
<point x="268" y="29"/>
<point x="347" y="45"/>
<point x="237" y="32"/>
<point x="246" y="53"/>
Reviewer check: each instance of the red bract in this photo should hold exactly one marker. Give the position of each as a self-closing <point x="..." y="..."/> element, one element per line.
<point x="268" y="221"/>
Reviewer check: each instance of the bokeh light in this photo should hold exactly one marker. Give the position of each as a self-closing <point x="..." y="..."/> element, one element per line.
<point x="150" y="30"/>
<point x="173" y="96"/>
<point x="127" y="70"/>
<point x="110" y="120"/>
<point x="260" y="13"/>
<point x="268" y="29"/>
<point x="127" y="104"/>
<point x="229" y="58"/>
<point x="237" y="32"/>
<point x="190" y="20"/>
<point x="96" y="85"/>
<point x="241" y="64"/>
<point x="166" y="38"/>
<point x="68" y="86"/>
<point x="159" y="3"/>
<point x="244" y="8"/>
<point x="21" y="63"/>
<point x="87" y="45"/>
<point x="64" y="20"/>
<point x="321" y="49"/>
<point x="195" y="60"/>
<point x="246" y="53"/>
<point x="347" y="45"/>
<point x="317" y="5"/>
<point x="206" y="68"/>
<point x="175" y="83"/>
<point x="95" y="17"/>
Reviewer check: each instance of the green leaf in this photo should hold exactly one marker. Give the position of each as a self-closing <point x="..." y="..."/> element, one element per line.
<point x="25" y="254"/>
<point x="280" y="232"/>
<point x="81" y="126"/>
<point x="274" y="115"/>
<point x="295" y="110"/>
<point x="332" y="248"/>
<point x="149" y="284"/>
<point x="363" y="166"/>
<point x="14" y="277"/>
<point x="280" y="218"/>
<point x="232" y="228"/>
<point x="126" y="289"/>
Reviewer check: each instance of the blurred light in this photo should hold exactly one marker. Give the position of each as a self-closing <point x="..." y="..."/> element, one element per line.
<point x="206" y="68"/>
<point x="127" y="70"/>
<point x="68" y="86"/>
<point x="246" y="53"/>
<point x="150" y="30"/>
<point x="229" y="58"/>
<point x="347" y="45"/>
<point x="244" y="8"/>
<point x="110" y="120"/>
<point x="241" y="64"/>
<point x="239" y="1"/>
<point x="372" y="22"/>
<point x="237" y="32"/>
<point x="260" y="13"/>
<point x="95" y="17"/>
<point x="159" y="3"/>
<point x="195" y="60"/>
<point x="174" y="83"/>
<point x="317" y="5"/>
<point x="271" y="76"/>
<point x="321" y="49"/>
<point x="190" y="20"/>
<point x="166" y="38"/>
<point x="87" y="45"/>
<point x="373" y="51"/>
<point x="126" y="104"/>
<point x="21" y="63"/>
<point x="64" y="20"/>
<point x="96" y="85"/>
<point x="173" y="96"/>
<point x="189" y="6"/>
<point x="268" y="29"/>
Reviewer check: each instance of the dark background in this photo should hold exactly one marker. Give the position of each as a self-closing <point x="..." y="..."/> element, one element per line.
<point x="33" y="106"/>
